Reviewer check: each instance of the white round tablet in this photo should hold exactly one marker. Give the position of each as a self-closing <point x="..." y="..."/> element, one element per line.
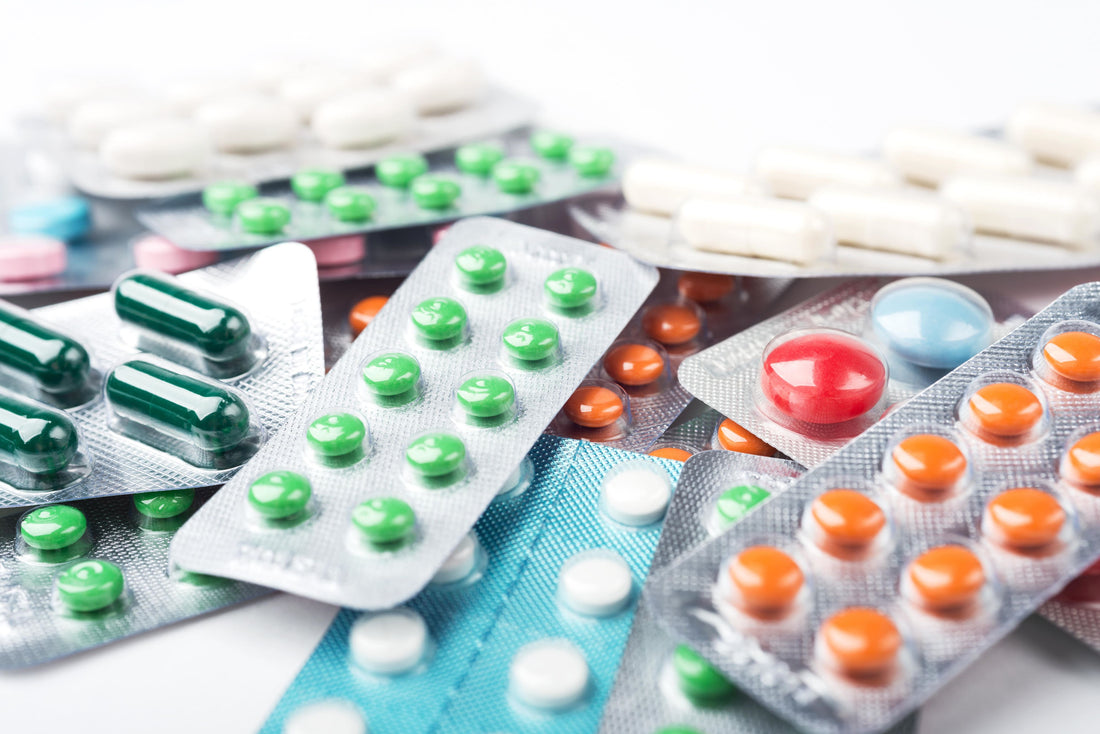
<point x="390" y="642"/>
<point x="597" y="583"/>
<point x="460" y="563"/>
<point x="637" y="496"/>
<point x="334" y="716"/>
<point x="306" y="91"/>
<point x="156" y="149"/>
<point x="363" y="119"/>
<point x="251" y="123"/>
<point x="549" y="674"/>
<point x="442" y="84"/>
<point x="93" y="120"/>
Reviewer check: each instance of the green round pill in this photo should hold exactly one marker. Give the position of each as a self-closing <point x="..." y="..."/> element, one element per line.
<point x="439" y="319"/>
<point x="313" y="184"/>
<point x="263" y="216"/>
<point x="279" y="494"/>
<point x="336" y="434"/>
<point x="699" y="680"/>
<point x="53" y="527"/>
<point x="551" y="145"/>
<point x="735" y="502"/>
<point x="570" y="287"/>
<point x="530" y="339"/>
<point x="391" y="374"/>
<point x="224" y="196"/>
<point x="480" y="265"/>
<point x="591" y="161"/>
<point x="88" y="586"/>
<point x="384" y="520"/>
<point x="349" y="204"/>
<point x="478" y="158"/>
<point x="486" y="396"/>
<point x="398" y="171"/>
<point x="164" y="505"/>
<point x="435" y="192"/>
<point x="435" y="454"/>
<point x="515" y="177"/>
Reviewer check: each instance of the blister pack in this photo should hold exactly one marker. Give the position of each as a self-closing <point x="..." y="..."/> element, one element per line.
<point x="849" y="599"/>
<point x="388" y="464"/>
<point x="810" y="379"/>
<point x="705" y="429"/>
<point x="159" y="384"/>
<point x="80" y="575"/>
<point x="1076" y="608"/>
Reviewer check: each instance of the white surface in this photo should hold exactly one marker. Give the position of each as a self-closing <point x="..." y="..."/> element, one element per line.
<point x="391" y="642"/>
<point x="596" y="583"/>
<point x="637" y="496"/>
<point x="549" y="674"/>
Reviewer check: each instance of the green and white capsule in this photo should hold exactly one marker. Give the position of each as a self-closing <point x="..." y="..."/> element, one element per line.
<point x="55" y="362"/>
<point x="34" y="437"/>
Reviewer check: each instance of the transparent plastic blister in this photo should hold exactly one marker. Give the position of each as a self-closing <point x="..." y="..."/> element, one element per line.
<point x="165" y="387"/>
<point x="896" y="591"/>
<point x="370" y="535"/>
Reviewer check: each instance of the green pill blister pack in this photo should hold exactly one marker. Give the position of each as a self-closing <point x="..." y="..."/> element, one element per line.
<point x="367" y="489"/>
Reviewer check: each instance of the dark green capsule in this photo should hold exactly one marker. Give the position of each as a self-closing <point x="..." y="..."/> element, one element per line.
<point x="35" y="437"/>
<point x="56" y="362"/>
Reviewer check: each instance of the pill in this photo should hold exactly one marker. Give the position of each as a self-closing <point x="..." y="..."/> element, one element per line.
<point x="349" y="204"/>
<point x="192" y="409"/>
<point x="1087" y="173"/>
<point x="306" y="90"/>
<point x="859" y="641"/>
<point x="633" y="364"/>
<point x="530" y="340"/>
<point x="162" y="305"/>
<point x="662" y="186"/>
<point x="671" y="323"/>
<point x="364" y="118"/>
<point x="1083" y="460"/>
<point x="591" y="162"/>
<point x="65" y="218"/>
<point x="460" y="563"/>
<point x="439" y="319"/>
<point x="754" y="226"/>
<point x="1074" y="355"/>
<point x="363" y="312"/>
<point x="326" y="717"/>
<point x="165" y="504"/>
<point x="157" y="253"/>
<point x="480" y="266"/>
<point x="671" y="452"/>
<point x="486" y="396"/>
<point x="735" y="502"/>
<point x="55" y="362"/>
<point x="89" y="586"/>
<point x="1053" y="133"/>
<point x="929" y="463"/>
<point x="336" y="434"/>
<point x="946" y="578"/>
<point x="637" y="496"/>
<point x="313" y="184"/>
<point x="551" y="145"/>
<point x="390" y="643"/>
<point x="515" y="177"/>
<point x="248" y="124"/>
<point x="823" y="377"/>
<point x="846" y="519"/>
<point x="262" y="216"/>
<point x="1005" y="409"/>
<point x="549" y="674"/>
<point x="1024" y="518"/>
<point x="391" y="374"/>
<point x="383" y="62"/>
<point x="222" y="197"/>
<point x="435" y="454"/>
<point x="27" y="257"/>
<point x="765" y="581"/>
<point x="699" y="680"/>
<point x="1046" y="210"/>
<point x="794" y="172"/>
<point x="330" y="252"/>
<point x="733" y="437"/>
<point x="931" y="155"/>
<point x="441" y="85"/>
<point x="62" y="98"/>
<point x="52" y="527"/>
<point x="930" y="322"/>
<point x="154" y="150"/>
<point x="592" y="406"/>
<point x="705" y="288"/>
<point x="896" y="220"/>
<point x="92" y="121"/>
<point x="434" y="192"/>
<point x="185" y="96"/>
<point x="279" y="495"/>
<point x="384" y="520"/>
<point x="478" y="158"/>
<point x="570" y="288"/>
<point x="595" y="583"/>
<point x="398" y="171"/>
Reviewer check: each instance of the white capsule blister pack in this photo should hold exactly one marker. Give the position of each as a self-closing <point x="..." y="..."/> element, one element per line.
<point x="445" y="391"/>
<point x="123" y="398"/>
<point x="847" y="601"/>
<point x="810" y="379"/>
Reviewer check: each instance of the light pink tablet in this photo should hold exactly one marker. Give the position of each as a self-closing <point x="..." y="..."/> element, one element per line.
<point x="30" y="257"/>
<point x="156" y="253"/>
<point x="342" y="250"/>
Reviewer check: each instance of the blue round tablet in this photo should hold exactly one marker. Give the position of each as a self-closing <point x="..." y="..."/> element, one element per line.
<point x="64" y="218"/>
<point x="931" y="322"/>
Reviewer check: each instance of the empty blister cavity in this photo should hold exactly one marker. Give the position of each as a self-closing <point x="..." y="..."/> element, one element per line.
<point x="931" y="155"/>
<point x="1068" y="356"/>
<point x="1004" y="408"/>
<point x="52" y="366"/>
<point x="796" y="172"/>
<point x="636" y="493"/>
<point x="662" y="186"/>
<point x="40" y="446"/>
<point x="754" y="226"/>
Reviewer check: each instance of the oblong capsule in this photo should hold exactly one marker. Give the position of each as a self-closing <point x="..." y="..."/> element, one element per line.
<point x="931" y="155"/>
<point x="1059" y="134"/>
<point x="194" y="409"/>
<point x="795" y="172"/>
<point x="35" y="437"/>
<point x="161" y="305"/>
<point x="662" y="186"/>
<point x="57" y="363"/>
<point x="1028" y="208"/>
<point x="756" y="226"/>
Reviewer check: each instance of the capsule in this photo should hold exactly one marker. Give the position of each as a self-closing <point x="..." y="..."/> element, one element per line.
<point x="931" y="155"/>
<point x="756" y="227"/>
<point x="161" y="305"/>
<point x="34" y="437"/>
<point x="1058" y="134"/>
<point x="795" y="173"/>
<point x="55" y="362"/>
<point x="662" y="186"/>
<point x="199" y="411"/>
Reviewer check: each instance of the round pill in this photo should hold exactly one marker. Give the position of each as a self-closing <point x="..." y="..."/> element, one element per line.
<point x="947" y="577"/>
<point x="698" y="679"/>
<point x="384" y="520"/>
<point x="530" y="340"/>
<point x="439" y="319"/>
<point x="570" y="287"/>
<point x="1025" y="518"/>
<point x="364" y="312"/>
<point x="278" y="495"/>
<point x="735" y="502"/>
<point x="65" y="218"/>
<point x="480" y="265"/>
<point x="434" y="192"/>
<point x="391" y="374"/>
<point x="390" y="643"/>
<point x="164" y="505"/>
<point x="25" y="257"/>
<point x="460" y="563"/>
<point x="314" y="184"/>
<point x="929" y="462"/>
<point x="478" y="158"/>
<point x="336" y="434"/>
<point x="1006" y="409"/>
<point x="442" y="84"/>
<point x="262" y="216"/>
<point x="325" y="717"/>
<point x="671" y="452"/>
<point x="348" y="204"/>
<point x="250" y="123"/>
<point x="435" y="454"/>
<point x="398" y="171"/>
<point x="931" y="323"/>
<point x="1074" y="355"/>
<point x="339" y="250"/>
<point x="88" y="586"/>
<point x="1083" y="460"/>
<point x="549" y="674"/>
<point x="551" y="145"/>
<point x="705" y="287"/>
<point x="591" y="162"/>
<point x="860" y="641"/>
<point x="157" y="253"/>
<point x="154" y="150"/>
<point x="223" y="197"/>
<point x="53" y="527"/>
<point x="848" y="518"/>
<point x="305" y="90"/>
<point x="515" y="177"/>
<point x="592" y="406"/>
<point x="671" y="323"/>
<point x="486" y="396"/>
<point x="733" y="437"/>
<point x="633" y="364"/>
<point x="765" y="580"/>
<point x="597" y="584"/>
<point x="363" y="118"/>
<point x="637" y="497"/>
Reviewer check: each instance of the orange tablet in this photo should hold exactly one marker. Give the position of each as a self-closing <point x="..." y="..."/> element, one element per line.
<point x="1082" y="464"/>
<point x="765" y="580"/>
<point x="705" y="287"/>
<point x="671" y="452"/>
<point x="364" y="312"/>
<point x="1006" y="409"/>
<point x="1074" y="355"/>
<point x="592" y="406"/>
<point x="860" y="641"/>
<point x="671" y="323"/>
<point x="847" y="518"/>
<point x="947" y="577"/>
<point x="733" y="437"/>
<point x="634" y="364"/>
<point x="1025" y="518"/>
<point x="929" y="462"/>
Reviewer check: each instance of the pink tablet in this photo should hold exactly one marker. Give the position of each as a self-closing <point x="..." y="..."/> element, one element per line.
<point x="342" y="250"/>
<point x="30" y="257"/>
<point x="156" y="253"/>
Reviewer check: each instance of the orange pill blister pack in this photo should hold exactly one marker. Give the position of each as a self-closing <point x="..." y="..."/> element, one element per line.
<point x="848" y="600"/>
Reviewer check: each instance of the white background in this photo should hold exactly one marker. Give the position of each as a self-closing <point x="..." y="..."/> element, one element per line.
<point x="708" y="80"/>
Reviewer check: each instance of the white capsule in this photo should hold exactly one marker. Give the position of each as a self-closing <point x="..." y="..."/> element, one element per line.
<point x="185" y="96"/>
<point x="896" y="220"/>
<point x="1040" y="209"/>
<point x="549" y="674"/>
<point x="662" y="186"/>
<point x="795" y="173"/>
<point x="306" y="91"/>
<point x="363" y="119"/>
<point x="92" y="121"/>
<point x="384" y="62"/>
<point x="930" y="155"/>
<point x="248" y="124"/>
<point x="595" y="583"/>
<point x="62" y="99"/>
<point x="1058" y="134"/>
<point x="441" y="84"/>
<point x="157" y="149"/>
<point x="755" y="226"/>
<point x="390" y="643"/>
